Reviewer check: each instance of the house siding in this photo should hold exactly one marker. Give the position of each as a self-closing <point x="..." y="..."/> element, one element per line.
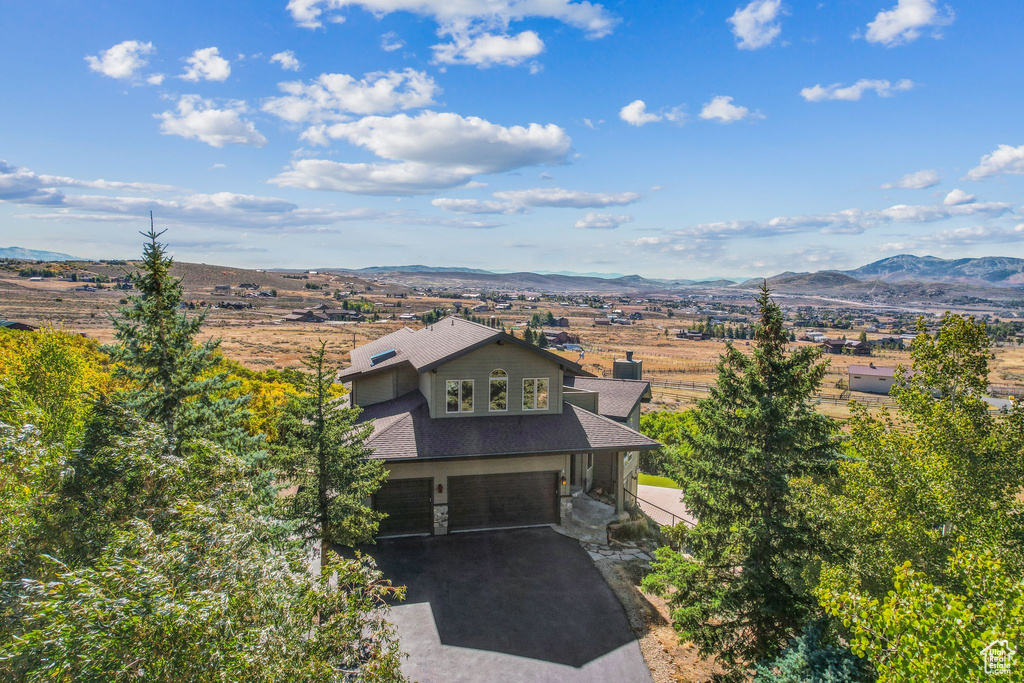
<point x="588" y="400"/>
<point x="384" y="386"/>
<point x="517" y="362"/>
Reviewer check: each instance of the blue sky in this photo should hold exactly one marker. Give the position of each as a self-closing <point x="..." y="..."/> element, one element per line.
<point x="683" y="139"/>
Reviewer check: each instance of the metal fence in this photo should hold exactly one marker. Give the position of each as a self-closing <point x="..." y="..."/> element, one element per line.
<point x="658" y="515"/>
<point x="835" y="399"/>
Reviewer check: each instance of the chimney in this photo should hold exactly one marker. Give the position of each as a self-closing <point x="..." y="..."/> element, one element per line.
<point x="628" y="368"/>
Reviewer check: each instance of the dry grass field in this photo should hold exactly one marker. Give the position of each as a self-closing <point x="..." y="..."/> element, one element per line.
<point x="259" y="338"/>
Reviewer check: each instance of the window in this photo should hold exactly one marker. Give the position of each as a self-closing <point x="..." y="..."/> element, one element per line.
<point x="459" y="395"/>
<point x="499" y="391"/>
<point x="535" y="394"/>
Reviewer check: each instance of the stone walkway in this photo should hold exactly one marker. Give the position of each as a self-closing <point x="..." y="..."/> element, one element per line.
<point x="620" y="552"/>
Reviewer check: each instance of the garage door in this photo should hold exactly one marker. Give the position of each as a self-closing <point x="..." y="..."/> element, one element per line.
<point x="409" y="506"/>
<point x="493" y="500"/>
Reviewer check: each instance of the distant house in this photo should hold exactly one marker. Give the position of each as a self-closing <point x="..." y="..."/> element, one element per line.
<point x="479" y="308"/>
<point x="222" y="289"/>
<point x="691" y="335"/>
<point x="561" y="322"/>
<point x="249" y="285"/>
<point x="636" y="316"/>
<point x="15" y="325"/>
<point x="557" y="337"/>
<point x="502" y="307"/>
<point x="602" y="321"/>
<point x="870" y="379"/>
<point x="306" y="316"/>
<point x="409" y="316"/>
<point x="857" y="348"/>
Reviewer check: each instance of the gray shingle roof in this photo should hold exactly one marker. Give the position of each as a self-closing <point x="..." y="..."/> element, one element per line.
<point x="427" y="348"/>
<point x="617" y="397"/>
<point x="403" y="430"/>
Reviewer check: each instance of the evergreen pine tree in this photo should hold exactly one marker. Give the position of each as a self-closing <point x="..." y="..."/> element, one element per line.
<point x="322" y="451"/>
<point x="175" y="381"/>
<point x="740" y="595"/>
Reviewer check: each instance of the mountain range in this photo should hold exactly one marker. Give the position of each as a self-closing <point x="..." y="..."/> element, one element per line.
<point x="35" y="255"/>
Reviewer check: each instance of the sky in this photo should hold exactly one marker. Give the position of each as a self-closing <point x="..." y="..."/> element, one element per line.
<point x="666" y="139"/>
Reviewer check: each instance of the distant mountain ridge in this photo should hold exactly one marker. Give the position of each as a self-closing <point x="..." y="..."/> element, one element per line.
<point x="1000" y="271"/>
<point x="36" y="255"/>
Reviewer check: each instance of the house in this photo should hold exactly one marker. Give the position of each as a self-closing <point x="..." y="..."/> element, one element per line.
<point x="557" y="337"/>
<point x="691" y="335"/>
<point x="306" y="316"/>
<point x="479" y="429"/>
<point x="222" y="289"/>
<point x="15" y="325"/>
<point x="409" y="316"/>
<point x="479" y="308"/>
<point x="502" y="307"/>
<point x="636" y="315"/>
<point x="561" y="322"/>
<point x="857" y="348"/>
<point x="602" y="321"/>
<point x="870" y="379"/>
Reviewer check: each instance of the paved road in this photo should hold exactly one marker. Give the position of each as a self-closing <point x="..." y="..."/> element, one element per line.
<point x="514" y="605"/>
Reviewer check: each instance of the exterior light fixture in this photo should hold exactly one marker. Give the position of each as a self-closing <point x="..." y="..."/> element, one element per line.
<point x="563" y="478"/>
<point x="440" y="488"/>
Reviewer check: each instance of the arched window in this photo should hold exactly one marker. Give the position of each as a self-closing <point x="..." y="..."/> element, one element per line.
<point x="498" y="391"/>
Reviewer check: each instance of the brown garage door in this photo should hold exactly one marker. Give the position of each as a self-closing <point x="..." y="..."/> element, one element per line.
<point x="493" y="500"/>
<point x="409" y="506"/>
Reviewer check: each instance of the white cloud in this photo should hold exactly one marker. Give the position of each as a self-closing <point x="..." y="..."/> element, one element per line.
<point x="905" y="22"/>
<point x="22" y="187"/>
<point x="470" y="143"/>
<point x="330" y="97"/>
<point x="601" y="221"/>
<point x="487" y="49"/>
<point x="287" y="60"/>
<point x="464" y="14"/>
<point x="123" y="60"/>
<point x="756" y="25"/>
<point x="431" y="152"/>
<point x="477" y="206"/>
<point x="852" y="93"/>
<point x="918" y="180"/>
<point x="721" y="108"/>
<point x="200" y="119"/>
<point x="206" y="65"/>
<point x="848" y="222"/>
<point x="1005" y="159"/>
<point x="979" y="234"/>
<point x="389" y="42"/>
<point x="957" y="197"/>
<point x="562" y="198"/>
<point x="635" y="114"/>
<point x="22" y="184"/>
<point x="155" y="79"/>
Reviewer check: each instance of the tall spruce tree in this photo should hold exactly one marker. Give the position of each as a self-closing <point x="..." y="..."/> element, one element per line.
<point x="740" y="593"/>
<point x="175" y="380"/>
<point x="322" y="452"/>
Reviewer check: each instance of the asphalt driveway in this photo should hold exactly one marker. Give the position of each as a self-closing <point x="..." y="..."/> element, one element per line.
<point x="514" y="605"/>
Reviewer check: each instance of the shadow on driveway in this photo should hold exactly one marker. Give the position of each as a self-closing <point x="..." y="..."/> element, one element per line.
<point x="530" y="593"/>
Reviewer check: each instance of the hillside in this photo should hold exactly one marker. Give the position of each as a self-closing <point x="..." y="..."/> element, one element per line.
<point x="788" y="281"/>
<point x="1000" y="271"/>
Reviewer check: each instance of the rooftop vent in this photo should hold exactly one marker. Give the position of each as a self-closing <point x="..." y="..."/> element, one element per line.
<point x="382" y="356"/>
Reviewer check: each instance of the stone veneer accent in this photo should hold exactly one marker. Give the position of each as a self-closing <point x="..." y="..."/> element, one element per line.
<point x="440" y="520"/>
<point x="565" y="509"/>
